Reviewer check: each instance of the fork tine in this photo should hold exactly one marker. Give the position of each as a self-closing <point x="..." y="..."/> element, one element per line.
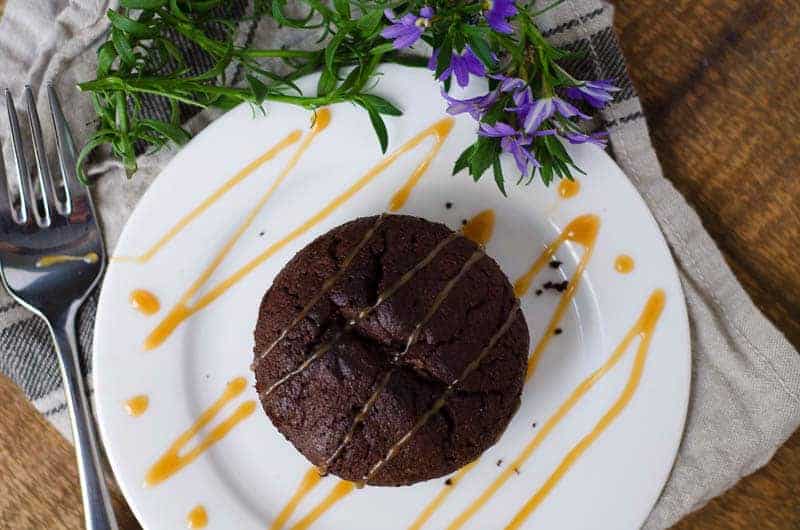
<point x="6" y="208"/>
<point x="43" y="168"/>
<point x="26" y="198"/>
<point x="67" y="155"/>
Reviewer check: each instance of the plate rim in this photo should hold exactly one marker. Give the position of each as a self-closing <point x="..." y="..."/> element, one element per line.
<point x="684" y="336"/>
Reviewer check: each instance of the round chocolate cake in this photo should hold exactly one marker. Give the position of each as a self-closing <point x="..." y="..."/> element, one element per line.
<point x="390" y="350"/>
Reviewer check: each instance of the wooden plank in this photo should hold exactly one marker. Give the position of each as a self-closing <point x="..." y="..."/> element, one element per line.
<point x="718" y="79"/>
<point x="39" y="486"/>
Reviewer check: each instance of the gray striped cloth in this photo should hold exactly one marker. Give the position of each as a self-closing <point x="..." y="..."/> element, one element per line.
<point x="745" y="397"/>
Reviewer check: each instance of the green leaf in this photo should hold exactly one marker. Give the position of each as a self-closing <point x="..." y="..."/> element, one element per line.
<point x="330" y="50"/>
<point x="175" y="134"/>
<point x="258" y="88"/>
<point x="547" y="173"/>
<point x="498" y="176"/>
<point x="99" y="138"/>
<point x="326" y="83"/>
<point x="479" y="45"/>
<point x="343" y="7"/>
<point x="128" y="25"/>
<point x="445" y="55"/>
<point x="123" y="47"/>
<point x="386" y="47"/>
<point x="463" y="159"/>
<point x="106" y="55"/>
<point x="377" y="124"/>
<point x="142" y="4"/>
<point x="485" y="153"/>
<point x="380" y="105"/>
<point x="369" y="24"/>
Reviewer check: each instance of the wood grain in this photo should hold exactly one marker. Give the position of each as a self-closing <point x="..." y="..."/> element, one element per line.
<point x="39" y="485"/>
<point x="720" y="83"/>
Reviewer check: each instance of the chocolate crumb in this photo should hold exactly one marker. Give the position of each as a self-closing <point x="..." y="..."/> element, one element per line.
<point x="261" y="234"/>
<point x="555" y="264"/>
<point x="516" y="470"/>
<point x="448" y="205"/>
<point x="448" y="482"/>
<point x="556" y="286"/>
<point x="558" y="331"/>
<point x="534" y="425"/>
<point x="500" y="462"/>
<point x="463" y="221"/>
<point x="539" y="292"/>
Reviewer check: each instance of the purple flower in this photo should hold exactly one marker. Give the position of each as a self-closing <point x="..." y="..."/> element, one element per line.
<point x="497" y="14"/>
<point x="476" y="107"/>
<point x="461" y="65"/>
<point x="599" y="138"/>
<point x="542" y="109"/>
<point x="595" y="93"/>
<point x="406" y="30"/>
<point x="512" y="141"/>
<point x="509" y="84"/>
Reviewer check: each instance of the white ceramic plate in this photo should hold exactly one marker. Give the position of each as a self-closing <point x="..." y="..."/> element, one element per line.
<point x="245" y="479"/>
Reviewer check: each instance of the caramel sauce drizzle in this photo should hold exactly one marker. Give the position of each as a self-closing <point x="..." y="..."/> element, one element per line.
<point x="215" y="196"/>
<point x="327" y="285"/>
<point x="624" y="264"/>
<point x="342" y="489"/>
<point x="312" y="477"/>
<point x="643" y="329"/>
<point x="480" y="228"/>
<point x="137" y="405"/>
<point x="437" y="501"/>
<point x="582" y="230"/>
<point x="184" y="308"/>
<point x="323" y="348"/>
<point x="197" y="517"/>
<point x="309" y="481"/>
<point x="412" y="338"/>
<point x="144" y="301"/>
<point x="173" y="461"/>
<point x="55" y="259"/>
<point x="437" y="406"/>
<point x="568" y="188"/>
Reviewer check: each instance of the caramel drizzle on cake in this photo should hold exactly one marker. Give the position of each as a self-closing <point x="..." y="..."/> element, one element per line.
<point x="437" y="406"/>
<point x="440" y="130"/>
<point x="582" y="230"/>
<point x="327" y="285"/>
<point x="323" y="348"/>
<point x="186" y="307"/>
<point x="410" y="341"/>
<point x="643" y="329"/>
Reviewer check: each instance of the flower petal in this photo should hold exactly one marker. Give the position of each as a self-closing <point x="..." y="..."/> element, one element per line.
<point x="541" y="110"/>
<point x="426" y="12"/>
<point x="408" y="38"/>
<point x="567" y="109"/>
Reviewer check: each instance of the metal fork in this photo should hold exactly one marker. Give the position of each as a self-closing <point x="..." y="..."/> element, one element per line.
<point x="51" y="257"/>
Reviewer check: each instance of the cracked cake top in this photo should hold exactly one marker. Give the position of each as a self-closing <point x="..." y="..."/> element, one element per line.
<point x="390" y="350"/>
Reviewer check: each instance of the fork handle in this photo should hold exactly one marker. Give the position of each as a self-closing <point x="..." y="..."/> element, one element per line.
<point x="97" y="508"/>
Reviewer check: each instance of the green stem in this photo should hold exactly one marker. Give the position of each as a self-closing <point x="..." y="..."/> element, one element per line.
<point x="548" y="8"/>
<point x="285" y="54"/>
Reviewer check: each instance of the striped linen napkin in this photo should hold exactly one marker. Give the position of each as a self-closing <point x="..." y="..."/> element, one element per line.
<point x="745" y="397"/>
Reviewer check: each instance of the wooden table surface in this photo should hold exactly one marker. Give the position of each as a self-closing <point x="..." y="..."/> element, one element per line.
<point x="720" y="81"/>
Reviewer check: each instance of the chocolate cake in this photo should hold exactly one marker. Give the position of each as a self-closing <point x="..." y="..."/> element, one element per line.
<point x="390" y="350"/>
